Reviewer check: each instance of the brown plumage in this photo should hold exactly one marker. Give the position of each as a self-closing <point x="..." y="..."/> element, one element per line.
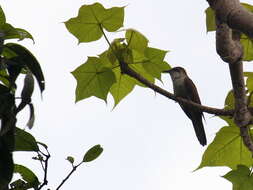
<point x="185" y="88"/>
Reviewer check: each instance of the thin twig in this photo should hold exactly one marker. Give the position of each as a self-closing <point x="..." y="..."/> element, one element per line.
<point x="45" y="181"/>
<point x="68" y="176"/>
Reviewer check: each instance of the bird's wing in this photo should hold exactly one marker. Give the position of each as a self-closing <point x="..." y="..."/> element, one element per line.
<point x="192" y="93"/>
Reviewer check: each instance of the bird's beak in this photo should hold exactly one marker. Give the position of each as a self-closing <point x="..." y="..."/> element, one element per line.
<point x="167" y="71"/>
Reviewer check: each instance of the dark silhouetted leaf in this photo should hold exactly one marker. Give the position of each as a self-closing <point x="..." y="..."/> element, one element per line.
<point x="9" y="32"/>
<point x="70" y="159"/>
<point x="24" y="141"/>
<point x="2" y="16"/>
<point x="25" y="58"/>
<point x="27" y="175"/>
<point x="93" y="153"/>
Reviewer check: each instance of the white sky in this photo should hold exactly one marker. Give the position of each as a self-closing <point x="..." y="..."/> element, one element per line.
<point x="148" y="141"/>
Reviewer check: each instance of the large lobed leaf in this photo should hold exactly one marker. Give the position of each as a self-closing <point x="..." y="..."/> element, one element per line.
<point x="227" y="149"/>
<point x="155" y="63"/>
<point x="124" y="85"/>
<point x="102" y="74"/>
<point x="86" y="27"/>
<point x="241" y="178"/>
<point x="136" y="40"/>
<point x="93" y="79"/>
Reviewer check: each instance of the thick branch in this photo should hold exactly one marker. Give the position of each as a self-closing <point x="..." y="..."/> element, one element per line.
<point x="125" y="69"/>
<point x="234" y="14"/>
<point x="230" y="50"/>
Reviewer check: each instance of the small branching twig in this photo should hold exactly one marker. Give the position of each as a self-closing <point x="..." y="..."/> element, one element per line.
<point x="74" y="167"/>
<point x="44" y="164"/>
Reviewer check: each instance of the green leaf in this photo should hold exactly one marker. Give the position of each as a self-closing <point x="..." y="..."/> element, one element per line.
<point x="247" y="44"/>
<point x="136" y="40"/>
<point x="86" y="27"/>
<point x="26" y="58"/>
<point x="4" y="77"/>
<point x="155" y="63"/>
<point x="70" y="159"/>
<point x="24" y="141"/>
<point x="230" y="100"/>
<point x="138" y="67"/>
<point x="2" y="16"/>
<point x="124" y="85"/>
<point x="247" y="6"/>
<point x="27" y="175"/>
<point x="10" y="32"/>
<point x="107" y="58"/>
<point x="227" y="149"/>
<point x="93" y="153"/>
<point x="249" y="83"/>
<point x="21" y="34"/>
<point x="248" y="74"/>
<point x="229" y="120"/>
<point x="210" y="20"/>
<point x="241" y="178"/>
<point x="8" y="53"/>
<point x="93" y="79"/>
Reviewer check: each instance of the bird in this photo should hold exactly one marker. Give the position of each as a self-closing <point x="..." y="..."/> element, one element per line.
<point x="184" y="87"/>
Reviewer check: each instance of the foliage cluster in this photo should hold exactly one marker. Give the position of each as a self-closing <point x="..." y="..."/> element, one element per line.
<point x="16" y="60"/>
<point x="99" y="76"/>
<point x="102" y="75"/>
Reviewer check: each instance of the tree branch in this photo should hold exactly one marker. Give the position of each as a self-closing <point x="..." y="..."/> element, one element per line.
<point x="229" y="48"/>
<point x="234" y="14"/>
<point x="125" y="69"/>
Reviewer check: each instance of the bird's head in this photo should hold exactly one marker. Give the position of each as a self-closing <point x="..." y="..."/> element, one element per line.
<point x="176" y="72"/>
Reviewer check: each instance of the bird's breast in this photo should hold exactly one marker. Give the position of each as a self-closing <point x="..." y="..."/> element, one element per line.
<point x="179" y="87"/>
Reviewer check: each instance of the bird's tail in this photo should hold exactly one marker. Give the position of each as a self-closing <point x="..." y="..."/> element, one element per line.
<point x="199" y="131"/>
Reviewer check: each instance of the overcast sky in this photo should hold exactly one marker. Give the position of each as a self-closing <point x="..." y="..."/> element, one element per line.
<point x="148" y="141"/>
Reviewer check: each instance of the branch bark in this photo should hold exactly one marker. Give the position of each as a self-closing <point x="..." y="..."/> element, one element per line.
<point x="234" y="14"/>
<point x="231" y="21"/>
<point x="125" y="69"/>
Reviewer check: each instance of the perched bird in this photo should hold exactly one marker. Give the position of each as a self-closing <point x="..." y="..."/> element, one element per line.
<point x="185" y="88"/>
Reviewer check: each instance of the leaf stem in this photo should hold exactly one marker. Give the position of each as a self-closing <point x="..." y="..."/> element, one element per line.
<point x="108" y="42"/>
